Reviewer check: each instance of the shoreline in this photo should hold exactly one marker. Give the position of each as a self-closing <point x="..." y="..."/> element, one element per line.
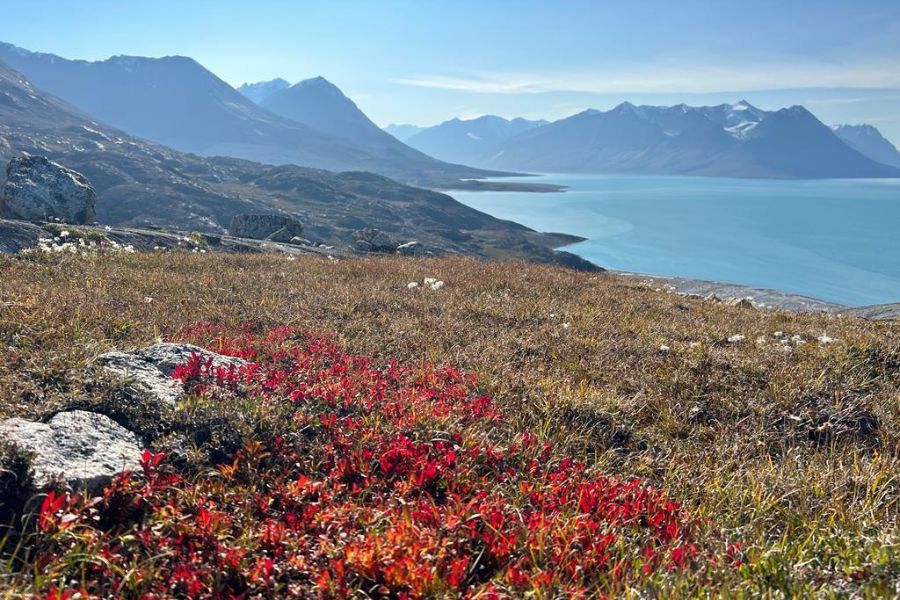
<point x="761" y="298"/>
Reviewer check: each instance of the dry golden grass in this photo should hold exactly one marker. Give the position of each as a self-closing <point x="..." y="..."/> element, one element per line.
<point x="795" y="453"/>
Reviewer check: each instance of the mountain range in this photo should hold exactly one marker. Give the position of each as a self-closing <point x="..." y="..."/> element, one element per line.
<point x="175" y="101"/>
<point x="728" y="140"/>
<point x="457" y="140"/>
<point x="142" y="184"/>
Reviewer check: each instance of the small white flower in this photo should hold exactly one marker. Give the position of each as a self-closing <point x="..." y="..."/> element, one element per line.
<point x="64" y="234"/>
<point x="736" y="339"/>
<point x="412" y="284"/>
<point x="825" y="339"/>
<point x="148" y="300"/>
<point x="778" y="334"/>
<point x="786" y="349"/>
<point x="664" y="349"/>
<point x="107" y="228"/>
<point x="798" y="339"/>
<point x="566" y="326"/>
<point x="429" y="280"/>
<point x="437" y="285"/>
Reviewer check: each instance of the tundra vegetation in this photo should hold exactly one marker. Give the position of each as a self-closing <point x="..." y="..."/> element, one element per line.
<point x="520" y="429"/>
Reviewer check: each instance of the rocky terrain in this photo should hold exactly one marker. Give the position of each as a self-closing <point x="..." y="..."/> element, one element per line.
<point x="141" y="185"/>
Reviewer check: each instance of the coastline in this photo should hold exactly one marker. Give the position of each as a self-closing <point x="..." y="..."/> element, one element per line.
<point x="762" y="298"/>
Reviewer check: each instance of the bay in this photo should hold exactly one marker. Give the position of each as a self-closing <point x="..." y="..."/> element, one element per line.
<point x="837" y="240"/>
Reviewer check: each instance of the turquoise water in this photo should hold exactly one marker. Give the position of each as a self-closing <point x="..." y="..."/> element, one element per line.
<point x="836" y="240"/>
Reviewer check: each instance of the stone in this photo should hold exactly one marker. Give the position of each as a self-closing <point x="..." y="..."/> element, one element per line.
<point x="83" y="449"/>
<point x="149" y="369"/>
<point x="410" y="249"/>
<point x="271" y="227"/>
<point x="38" y="189"/>
<point x="374" y="240"/>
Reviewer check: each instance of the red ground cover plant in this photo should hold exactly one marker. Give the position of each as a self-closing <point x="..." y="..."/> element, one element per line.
<point x="371" y="480"/>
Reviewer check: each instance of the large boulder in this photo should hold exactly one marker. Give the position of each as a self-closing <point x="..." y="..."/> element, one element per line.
<point x="81" y="448"/>
<point x="38" y="189"/>
<point x="275" y="228"/>
<point x="149" y="370"/>
<point x="374" y="240"/>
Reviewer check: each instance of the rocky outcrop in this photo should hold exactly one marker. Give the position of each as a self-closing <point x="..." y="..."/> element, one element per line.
<point x="16" y="236"/>
<point x="149" y="370"/>
<point x="275" y="228"/>
<point x="38" y="189"/>
<point x="374" y="240"/>
<point x="81" y="448"/>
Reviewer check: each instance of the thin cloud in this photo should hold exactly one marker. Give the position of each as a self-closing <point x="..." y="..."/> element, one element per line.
<point x="670" y="79"/>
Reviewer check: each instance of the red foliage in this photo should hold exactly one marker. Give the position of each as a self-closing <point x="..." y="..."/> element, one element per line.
<point x="393" y="481"/>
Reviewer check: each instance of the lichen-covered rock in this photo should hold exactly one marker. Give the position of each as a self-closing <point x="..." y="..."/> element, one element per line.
<point x="38" y="189"/>
<point x="275" y="228"/>
<point x="374" y="240"/>
<point x="149" y="369"/>
<point x="81" y="448"/>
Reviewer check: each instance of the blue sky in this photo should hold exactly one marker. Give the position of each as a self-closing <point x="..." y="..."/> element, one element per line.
<point x="424" y="61"/>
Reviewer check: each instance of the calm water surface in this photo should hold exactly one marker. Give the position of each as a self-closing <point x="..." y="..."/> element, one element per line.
<point x="836" y="240"/>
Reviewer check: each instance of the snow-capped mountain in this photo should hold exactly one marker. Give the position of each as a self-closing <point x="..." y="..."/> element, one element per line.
<point x="729" y="140"/>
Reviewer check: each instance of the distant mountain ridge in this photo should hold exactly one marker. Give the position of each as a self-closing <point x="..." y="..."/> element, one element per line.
<point x="728" y="140"/>
<point x="461" y="141"/>
<point x="867" y="140"/>
<point x="257" y="92"/>
<point x="177" y="102"/>
<point x="403" y="131"/>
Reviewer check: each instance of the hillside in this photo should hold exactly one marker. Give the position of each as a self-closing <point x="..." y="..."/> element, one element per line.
<point x="176" y="102"/>
<point x="142" y="184"/>
<point x="736" y="140"/>
<point x="727" y="452"/>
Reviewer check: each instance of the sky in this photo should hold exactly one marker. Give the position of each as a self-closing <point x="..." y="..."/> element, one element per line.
<point x="425" y="61"/>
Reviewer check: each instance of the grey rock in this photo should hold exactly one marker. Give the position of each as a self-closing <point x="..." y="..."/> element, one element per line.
<point x="374" y="240"/>
<point x="16" y="236"/>
<point x="38" y="189"/>
<point x="410" y="249"/>
<point x="149" y="369"/>
<point x="81" y="448"/>
<point x="272" y="227"/>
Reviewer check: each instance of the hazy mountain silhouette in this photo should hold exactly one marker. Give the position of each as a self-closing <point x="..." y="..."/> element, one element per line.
<point x="257" y="92"/>
<point x="867" y="140"/>
<point x="403" y="131"/>
<point x="467" y="141"/>
<point x="176" y="102"/>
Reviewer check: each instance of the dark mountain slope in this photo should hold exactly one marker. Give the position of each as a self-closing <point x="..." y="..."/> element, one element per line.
<point x="142" y="184"/>
<point x="176" y="102"/>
